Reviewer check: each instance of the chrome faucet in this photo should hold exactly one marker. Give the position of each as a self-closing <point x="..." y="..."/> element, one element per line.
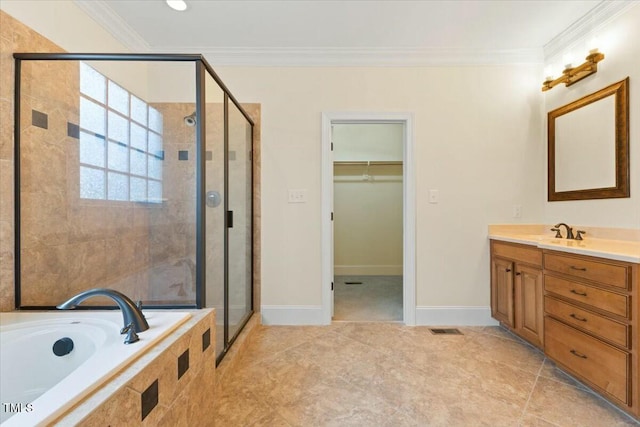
<point x="131" y="313"/>
<point x="556" y="228"/>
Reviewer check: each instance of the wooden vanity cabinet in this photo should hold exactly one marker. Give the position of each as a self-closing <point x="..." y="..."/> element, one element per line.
<point x="591" y="323"/>
<point x="516" y="289"/>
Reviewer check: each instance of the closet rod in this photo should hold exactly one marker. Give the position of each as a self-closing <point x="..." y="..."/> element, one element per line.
<point x="365" y="162"/>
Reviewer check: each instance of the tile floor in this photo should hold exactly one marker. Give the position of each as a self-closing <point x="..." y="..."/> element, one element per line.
<point x="388" y="374"/>
<point x="377" y="298"/>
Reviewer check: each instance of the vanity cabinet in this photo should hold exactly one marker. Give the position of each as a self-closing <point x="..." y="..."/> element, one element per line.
<point x="516" y="289"/>
<point x="591" y="312"/>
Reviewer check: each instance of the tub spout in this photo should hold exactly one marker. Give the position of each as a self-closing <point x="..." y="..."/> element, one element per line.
<point x="131" y="313"/>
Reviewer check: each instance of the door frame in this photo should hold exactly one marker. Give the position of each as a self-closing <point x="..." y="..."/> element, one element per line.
<point x="408" y="205"/>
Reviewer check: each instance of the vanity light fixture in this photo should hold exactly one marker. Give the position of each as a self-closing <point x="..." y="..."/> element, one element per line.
<point x="178" y="5"/>
<point x="570" y="75"/>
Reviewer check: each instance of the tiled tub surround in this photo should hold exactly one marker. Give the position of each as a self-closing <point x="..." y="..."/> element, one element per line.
<point x="582" y="297"/>
<point x="87" y="351"/>
<point x="171" y="385"/>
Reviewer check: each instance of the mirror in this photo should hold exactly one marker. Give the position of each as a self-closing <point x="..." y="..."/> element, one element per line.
<point x="588" y="146"/>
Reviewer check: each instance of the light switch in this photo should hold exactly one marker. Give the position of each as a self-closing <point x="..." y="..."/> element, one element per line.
<point x="297" y="196"/>
<point x="434" y="196"/>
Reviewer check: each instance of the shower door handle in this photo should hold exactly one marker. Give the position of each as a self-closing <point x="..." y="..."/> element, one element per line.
<point x="229" y="219"/>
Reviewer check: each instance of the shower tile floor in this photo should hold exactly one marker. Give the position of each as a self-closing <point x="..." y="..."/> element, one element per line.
<point x="388" y="374"/>
<point x="367" y="298"/>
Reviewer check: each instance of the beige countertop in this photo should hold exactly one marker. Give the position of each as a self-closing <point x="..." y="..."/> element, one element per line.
<point x="616" y="244"/>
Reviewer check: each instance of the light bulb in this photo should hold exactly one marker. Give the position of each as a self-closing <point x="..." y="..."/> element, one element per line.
<point x="593" y="45"/>
<point x="178" y="5"/>
<point x="567" y="60"/>
<point x="548" y="72"/>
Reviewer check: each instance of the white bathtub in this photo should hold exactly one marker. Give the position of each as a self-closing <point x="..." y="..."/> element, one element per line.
<point x="37" y="386"/>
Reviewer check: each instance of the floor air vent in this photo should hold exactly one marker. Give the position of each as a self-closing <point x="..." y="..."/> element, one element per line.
<point x="452" y="331"/>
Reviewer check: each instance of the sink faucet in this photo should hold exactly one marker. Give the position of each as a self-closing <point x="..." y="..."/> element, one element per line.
<point x="569" y="230"/>
<point x="131" y="314"/>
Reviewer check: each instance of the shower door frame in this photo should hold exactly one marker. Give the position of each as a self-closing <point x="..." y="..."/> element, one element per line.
<point x="202" y="68"/>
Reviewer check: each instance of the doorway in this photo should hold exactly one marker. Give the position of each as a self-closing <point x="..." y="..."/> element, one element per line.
<point x="367" y="207"/>
<point x="368" y="268"/>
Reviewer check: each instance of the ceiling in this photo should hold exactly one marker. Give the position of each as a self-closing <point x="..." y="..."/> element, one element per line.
<point x="341" y="28"/>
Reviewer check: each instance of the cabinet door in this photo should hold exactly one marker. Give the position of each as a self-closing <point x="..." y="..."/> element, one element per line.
<point x="528" y="301"/>
<point x="502" y="291"/>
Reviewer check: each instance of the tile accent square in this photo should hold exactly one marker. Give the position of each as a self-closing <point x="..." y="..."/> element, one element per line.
<point x="209" y="155"/>
<point x="183" y="363"/>
<point x="149" y="399"/>
<point x="232" y="155"/>
<point x="183" y="155"/>
<point x="39" y="119"/>
<point x="73" y="130"/>
<point x="206" y="339"/>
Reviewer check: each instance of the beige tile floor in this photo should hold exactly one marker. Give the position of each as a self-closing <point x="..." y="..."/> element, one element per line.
<point x="388" y="374"/>
<point x="377" y="298"/>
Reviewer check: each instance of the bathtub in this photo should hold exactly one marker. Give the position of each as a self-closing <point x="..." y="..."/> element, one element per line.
<point x="37" y="386"/>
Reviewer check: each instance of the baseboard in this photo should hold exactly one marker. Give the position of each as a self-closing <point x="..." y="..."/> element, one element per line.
<point x="291" y="315"/>
<point x="454" y="316"/>
<point x="367" y="270"/>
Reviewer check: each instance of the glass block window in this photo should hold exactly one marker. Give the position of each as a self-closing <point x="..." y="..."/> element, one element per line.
<point x="121" y="151"/>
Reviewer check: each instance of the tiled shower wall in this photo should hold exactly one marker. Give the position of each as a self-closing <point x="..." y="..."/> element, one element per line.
<point x="69" y="246"/>
<point x="14" y="37"/>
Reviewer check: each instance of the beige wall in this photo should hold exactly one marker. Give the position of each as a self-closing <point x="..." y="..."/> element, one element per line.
<point x="478" y="139"/>
<point x="367" y="220"/>
<point x="618" y="41"/>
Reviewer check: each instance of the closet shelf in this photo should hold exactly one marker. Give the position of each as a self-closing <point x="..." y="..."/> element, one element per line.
<point x="368" y="163"/>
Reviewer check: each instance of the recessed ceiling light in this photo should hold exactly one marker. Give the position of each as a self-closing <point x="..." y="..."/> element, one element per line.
<point x="179" y="5"/>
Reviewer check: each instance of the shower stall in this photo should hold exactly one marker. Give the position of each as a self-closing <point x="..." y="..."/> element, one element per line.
<point x="133" y="172"/>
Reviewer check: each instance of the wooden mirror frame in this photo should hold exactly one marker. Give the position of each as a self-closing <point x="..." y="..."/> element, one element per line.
<point x="621" y="189"/>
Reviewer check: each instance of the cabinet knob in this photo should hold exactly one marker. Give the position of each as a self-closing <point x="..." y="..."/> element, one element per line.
<point x="507" y="270"/>
<point x="518" y="273"/>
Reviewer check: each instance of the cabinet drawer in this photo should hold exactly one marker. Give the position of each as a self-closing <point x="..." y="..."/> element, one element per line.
<point x="600" y="364"/>
<point x="598" y="298"/>
<point x="522" y="253"/>
<point x="608" y="274"/>
<point x="608" y="329"/>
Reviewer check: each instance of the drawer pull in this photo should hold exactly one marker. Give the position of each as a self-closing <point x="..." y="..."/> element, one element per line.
<point x="573" y="267"/>
<point x="582" y="294"/>
<point x="582" y="319"/>
<point x="578" y="354"/>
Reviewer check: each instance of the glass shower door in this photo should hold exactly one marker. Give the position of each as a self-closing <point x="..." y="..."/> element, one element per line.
<point x="240" y="241"/>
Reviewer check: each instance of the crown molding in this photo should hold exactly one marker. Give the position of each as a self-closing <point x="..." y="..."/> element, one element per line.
<point x="590" y="23"/>
<point x="99" y="11"/>
<point x="349" y="57"/>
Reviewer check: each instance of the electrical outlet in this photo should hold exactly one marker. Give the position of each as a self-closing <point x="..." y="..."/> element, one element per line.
<point x="517" y="211"/>
<point x="297" y="196"/>
<point x="434" y="196"/>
